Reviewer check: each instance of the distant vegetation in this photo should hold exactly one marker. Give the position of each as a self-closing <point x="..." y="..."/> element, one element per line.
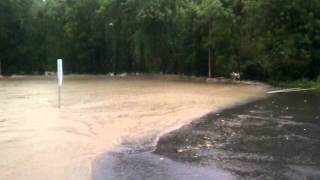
<point x="302" y="83"/>
<point x="275" y="40"/>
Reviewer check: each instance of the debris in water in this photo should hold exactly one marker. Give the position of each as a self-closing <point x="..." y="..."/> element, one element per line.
<point x="287" y="117"/>
<point x="206" y="138"/>
<point x="179" y="150"/>
<point x="208" y="145"/>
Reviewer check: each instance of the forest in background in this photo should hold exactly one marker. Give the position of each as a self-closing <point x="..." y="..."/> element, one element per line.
<point x="263" y="39"/>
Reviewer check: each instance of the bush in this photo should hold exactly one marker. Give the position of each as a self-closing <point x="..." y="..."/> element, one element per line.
<point x="254" y="72"/>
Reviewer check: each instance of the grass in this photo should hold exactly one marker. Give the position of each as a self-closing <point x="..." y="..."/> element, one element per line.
<point x="302" y="83"/>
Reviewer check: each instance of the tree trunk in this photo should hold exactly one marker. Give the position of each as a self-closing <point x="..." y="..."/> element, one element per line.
<point x="238" y="64"/>
<point x="209" y="63"/>
<point x="213" y="63"/>
<point x="0" y="68"/>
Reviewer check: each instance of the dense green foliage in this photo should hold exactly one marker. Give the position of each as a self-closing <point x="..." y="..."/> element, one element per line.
<point x="262" y="39"/>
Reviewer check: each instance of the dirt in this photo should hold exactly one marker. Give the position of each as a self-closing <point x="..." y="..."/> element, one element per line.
<point x="40" y="141"/>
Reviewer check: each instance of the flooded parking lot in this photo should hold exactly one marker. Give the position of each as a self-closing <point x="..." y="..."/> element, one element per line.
<point x="273" y="138"/>
<point x="40" y="141"/>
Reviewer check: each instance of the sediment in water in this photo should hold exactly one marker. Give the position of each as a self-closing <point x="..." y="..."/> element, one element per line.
<point x="39" y="141"/>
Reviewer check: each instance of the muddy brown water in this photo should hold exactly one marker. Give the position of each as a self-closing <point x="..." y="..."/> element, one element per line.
<point x="40" y="141"/>
<point x="273" y="138"/>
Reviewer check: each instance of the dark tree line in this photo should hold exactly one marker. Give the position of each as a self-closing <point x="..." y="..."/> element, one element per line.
<point x="262" y="39"/>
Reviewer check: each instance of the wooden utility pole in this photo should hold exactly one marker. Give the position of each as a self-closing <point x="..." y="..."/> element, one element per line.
<point x="209" y="53"/>
<point x="0" y="68"/>
<point x="209" y="63"/>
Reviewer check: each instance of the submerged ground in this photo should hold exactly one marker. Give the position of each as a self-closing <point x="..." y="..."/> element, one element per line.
<point x="39" y="141"/>
<point x="273" y="138"/>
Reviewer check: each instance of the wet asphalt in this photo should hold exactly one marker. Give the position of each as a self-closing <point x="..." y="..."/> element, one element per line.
<point x="274" y="138"/>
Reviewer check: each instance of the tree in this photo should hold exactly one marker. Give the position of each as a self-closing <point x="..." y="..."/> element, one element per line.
<point x="211" y="17"/>
<point x="264" y="40"/>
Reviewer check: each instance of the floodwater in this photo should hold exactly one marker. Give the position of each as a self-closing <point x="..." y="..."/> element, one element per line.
<point x="273" y="138"/>
<point x="38" y="141"/>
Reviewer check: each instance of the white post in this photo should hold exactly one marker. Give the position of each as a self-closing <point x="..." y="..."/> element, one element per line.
<point x="59" y="97"/>
<point x="60" y="80"/>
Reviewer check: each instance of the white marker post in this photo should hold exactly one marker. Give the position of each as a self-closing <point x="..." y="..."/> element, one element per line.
<point x="60" y="79"/>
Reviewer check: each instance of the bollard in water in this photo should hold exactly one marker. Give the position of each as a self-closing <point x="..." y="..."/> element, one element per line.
<point x="60" y="80"/>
